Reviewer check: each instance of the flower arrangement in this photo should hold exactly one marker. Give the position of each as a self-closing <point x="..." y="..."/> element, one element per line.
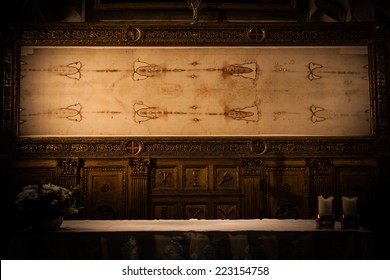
<point x="47" y="200"/>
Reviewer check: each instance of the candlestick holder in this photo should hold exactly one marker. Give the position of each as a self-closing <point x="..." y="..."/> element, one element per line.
<point x="325" y="221"/>
<point x="349" y="221"/>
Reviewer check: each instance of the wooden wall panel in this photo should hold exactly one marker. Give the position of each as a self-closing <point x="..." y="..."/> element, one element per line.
<point x="287" y="192"/>
<point x="165" y="209"/>
<point x="227" y="210"/>
<point x="321" y="177"/>
<point x="196" y="210"/>
<point x="226" y="178"/>
<point x="138" y="204"/>
<point x="361" y="182"/>
<point x="34" y="175"/>
<point x="69" y="171"/>
<point x="104" y="192"/>
<point x="196" y="178"/>
<point x="252" y="201"/>
<point x="209" y="188"/>
<point x="165" y="179"/>
<point x="196" y="189"/>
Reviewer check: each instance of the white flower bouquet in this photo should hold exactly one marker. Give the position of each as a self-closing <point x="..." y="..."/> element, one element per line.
<point x="46" y="200"/>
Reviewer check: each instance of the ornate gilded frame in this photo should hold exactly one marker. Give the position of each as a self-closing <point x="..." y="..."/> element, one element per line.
<point x="374" y="36"/>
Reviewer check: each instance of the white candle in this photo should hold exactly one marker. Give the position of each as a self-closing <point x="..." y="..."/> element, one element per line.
<point x="325" y="205"/>
<point x="349" y="205"/>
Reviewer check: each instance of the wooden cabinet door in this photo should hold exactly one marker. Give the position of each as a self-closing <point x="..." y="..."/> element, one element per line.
<point x="287" y="193"/>
<point x="104" y="193"/>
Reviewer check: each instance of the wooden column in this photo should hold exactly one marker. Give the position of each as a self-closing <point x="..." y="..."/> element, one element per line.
<point x="138" y="192"/>
<point x="69" y="171"/>
<point x="252" y="205"/>
<point x="321" y="182"/>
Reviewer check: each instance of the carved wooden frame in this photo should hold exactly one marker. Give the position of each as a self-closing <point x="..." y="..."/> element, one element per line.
<point x="233" y="34"/>
<point x="98" y="10"/>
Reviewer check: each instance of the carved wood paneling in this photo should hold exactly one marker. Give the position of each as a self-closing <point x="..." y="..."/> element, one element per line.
<point x="196" y="211"/>
<point x="138" y="198"/>
<point x="286" y="188"/>
<point x="321" y="182"/>
<point x="227" y="211"/>
<point x="252" y="201"/>
<point x="138" y="191"/>
<point x="69" y="171"/>
<point x="34" y="175"/>
<point x="104" y="193"/>
<point x="275" y="147"/>
<point x="253" y="194"/>
<point x="199" y="193"/>
<point x="165" y="210"/>
<point x="226" y="178"/>
<point x="165" y="178"/>
<point x="361" y="182"/>
<point x="111" y="189"/>
<point x="196" y="178"/>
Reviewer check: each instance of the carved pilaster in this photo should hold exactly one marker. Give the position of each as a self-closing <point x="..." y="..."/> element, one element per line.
<point x="253" y="196"/>
<point x="140" y="166"/>
<point x="321" y="181"/>
<point x="69" y="171"/>
<point x="323" y="167"/>
<point x="138" y="194"/>
<point x="6" y="64"/>
<point x="250" y="166"/>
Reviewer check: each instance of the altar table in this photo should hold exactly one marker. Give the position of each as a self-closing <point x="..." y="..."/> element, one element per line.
<point x="192" y="239"/>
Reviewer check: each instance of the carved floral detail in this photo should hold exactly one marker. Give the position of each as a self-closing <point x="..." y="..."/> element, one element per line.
<point x="140" y="165"/>
<point x="251" y="166"/>
<point x="69" y="166"/>
<point x="320" y="166"/>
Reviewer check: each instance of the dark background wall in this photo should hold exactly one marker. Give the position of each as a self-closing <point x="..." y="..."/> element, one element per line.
<point x="126" y="10"/>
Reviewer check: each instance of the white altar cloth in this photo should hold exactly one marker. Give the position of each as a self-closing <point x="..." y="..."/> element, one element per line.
<point x="192" y="239"/>
<point x="193" y="225"/>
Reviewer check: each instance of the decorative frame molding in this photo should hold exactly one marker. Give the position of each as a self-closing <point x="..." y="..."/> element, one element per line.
<point x="374" y="36"/>
<point x="105" y="10"/>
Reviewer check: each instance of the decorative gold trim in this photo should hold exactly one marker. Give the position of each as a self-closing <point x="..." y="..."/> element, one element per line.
<point x="170" y="34"/>
<point x="258" y="147"/>
<point x="133" y="147"/>
<point x="153" y="146"/>
<point x="201" y="34"/>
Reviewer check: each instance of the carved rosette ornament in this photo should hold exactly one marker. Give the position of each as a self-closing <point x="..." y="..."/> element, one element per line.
<point x="134" y="34"/>
<point x="140" y="166"/>
<point x="258" y="147"/>
<point x="257" y="34"/>
<point x="133" y="147"/>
